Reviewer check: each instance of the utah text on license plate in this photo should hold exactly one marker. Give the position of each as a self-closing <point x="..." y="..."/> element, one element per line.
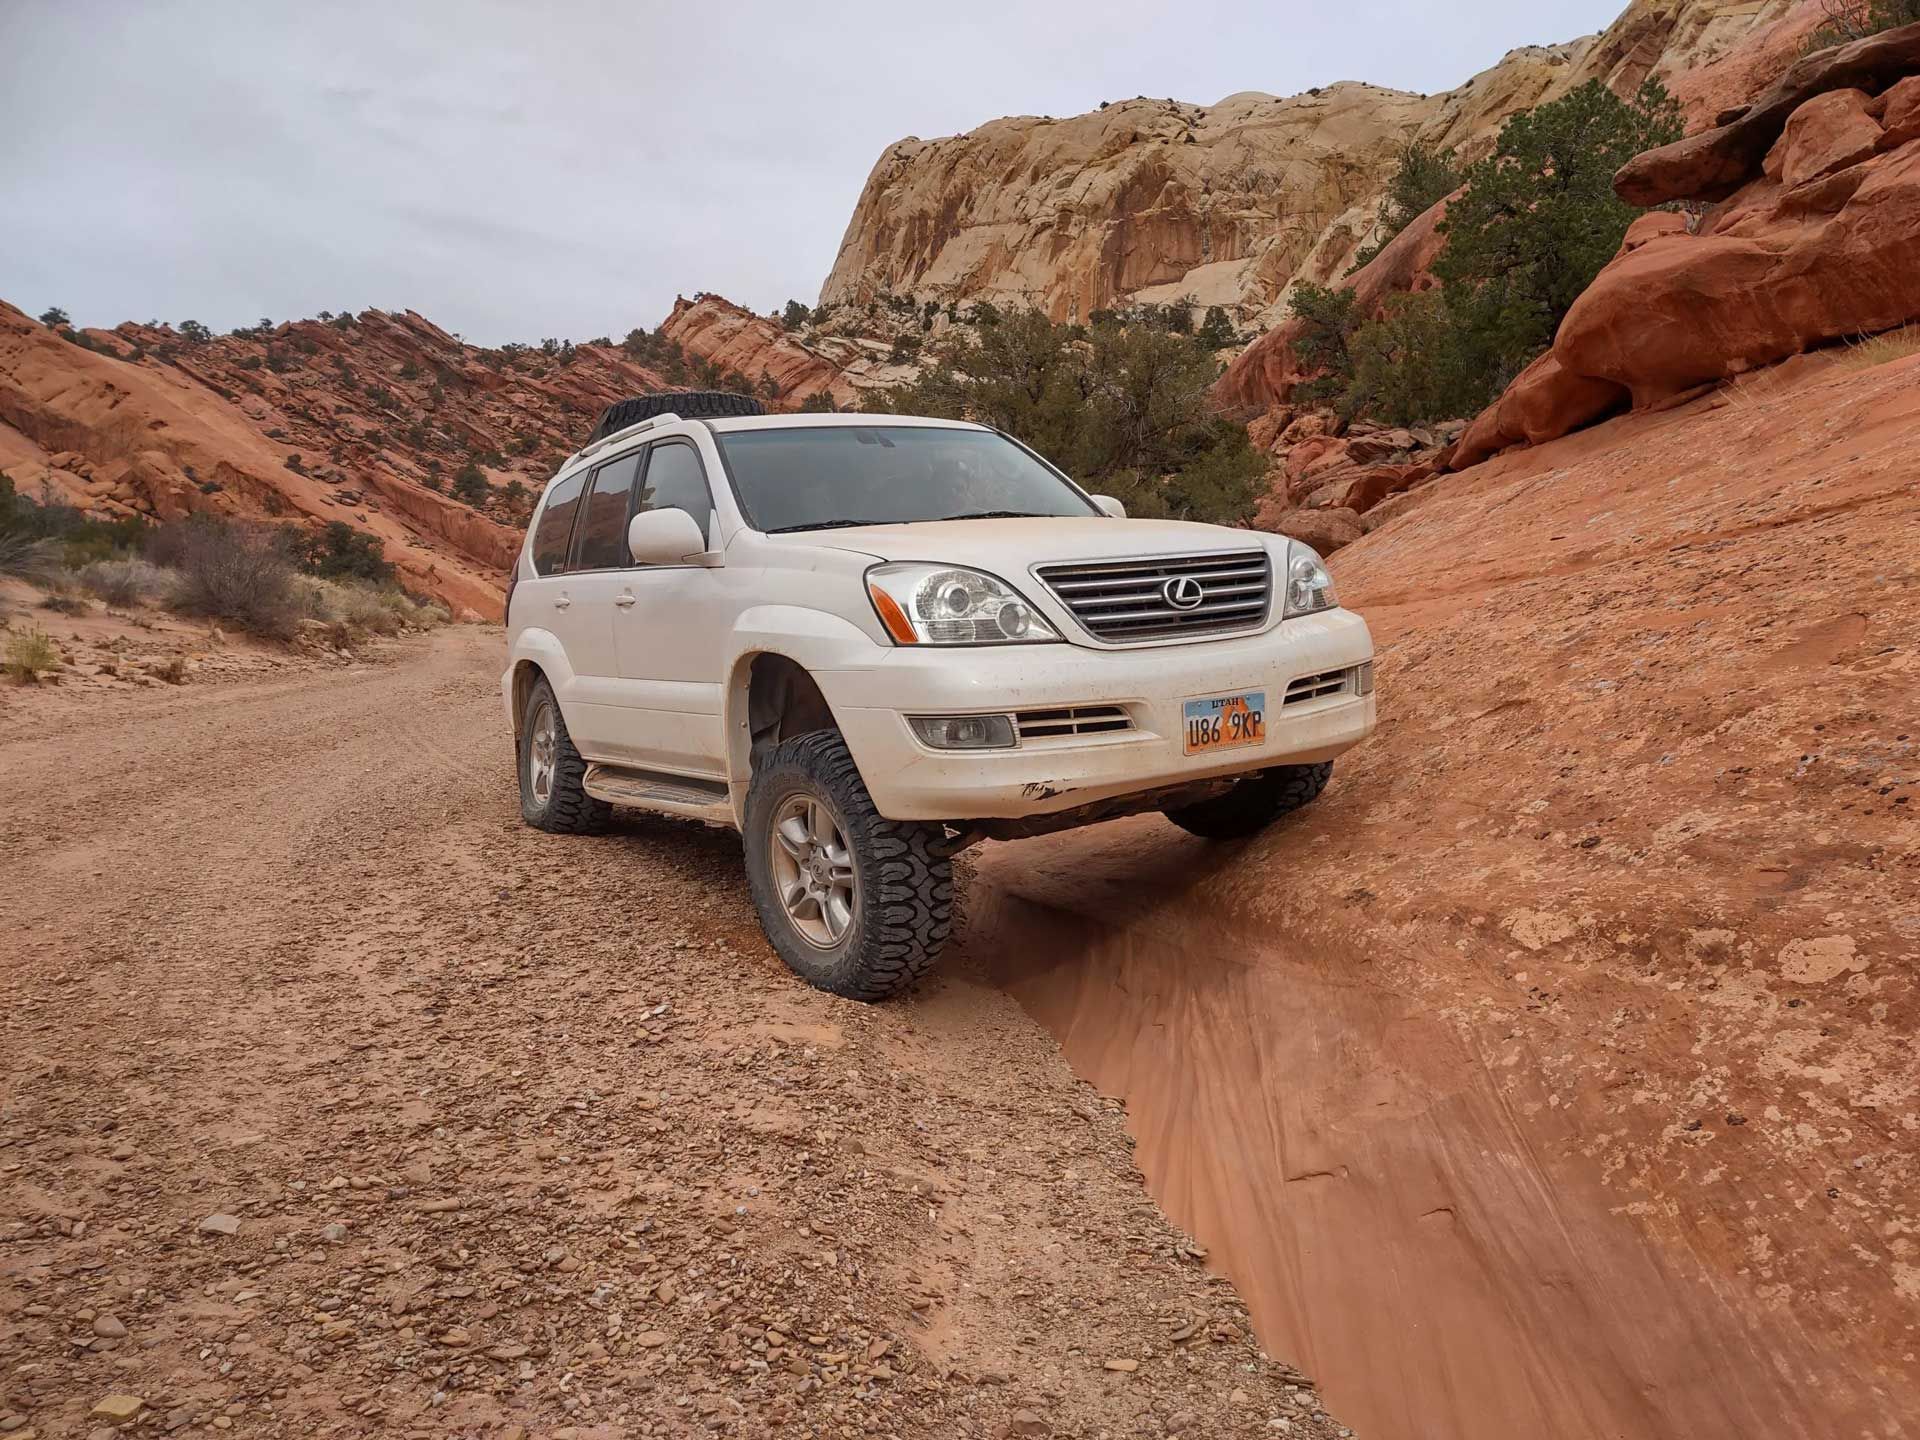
<point x="1222" y="722"/>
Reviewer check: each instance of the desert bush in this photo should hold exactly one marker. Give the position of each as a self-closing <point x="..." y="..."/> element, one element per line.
<point x="25" y="557"/>
<point x="63" y="601"/>
<point x="1537" y="221"/>
<point x="30" y="654"/>
<point x="1848" y="20"/>
<point x="57" y="533"/>
<point x="337" y="551"/>
<point x="1121" y="404"/>
<point x="127" y="582"/>
<point x="1422" y="177"/>
<point x="470" y="485"/>
<point x="242" y="574"/>
<point x="54" y="318"/>
<point x="1880" y="349"/>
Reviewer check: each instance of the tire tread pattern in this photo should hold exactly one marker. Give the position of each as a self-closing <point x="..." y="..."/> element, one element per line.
<point x="570" y="809"/>
<point x="1255" y="803"/>
<point x="907" y="882"/>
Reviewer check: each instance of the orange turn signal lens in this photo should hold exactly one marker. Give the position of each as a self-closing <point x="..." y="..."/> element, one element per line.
<point x="893" y="617"/>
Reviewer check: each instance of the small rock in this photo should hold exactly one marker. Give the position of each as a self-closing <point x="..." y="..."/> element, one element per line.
<point x="651" y="1339"/>
<point x="221" y="1225"/>
<point x="505" y="1352"/>
<point x="1026" y="1423"/>
<point x="108" y="1327"/>
<point x="335" y="1233"/>
<point x="117" y="1409"/>
<point x="439" y="1207"/>
<point x="1122" y="1367"/>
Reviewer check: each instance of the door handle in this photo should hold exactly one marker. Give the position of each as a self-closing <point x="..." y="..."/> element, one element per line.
<point x="562" y="603"/>
<point x="625" y="602"/>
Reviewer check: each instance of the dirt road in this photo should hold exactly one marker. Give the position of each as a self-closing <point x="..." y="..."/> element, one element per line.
<point x="336" y="1101"/>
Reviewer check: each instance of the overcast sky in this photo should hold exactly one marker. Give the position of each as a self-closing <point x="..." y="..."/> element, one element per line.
<point x="514" y="171"/>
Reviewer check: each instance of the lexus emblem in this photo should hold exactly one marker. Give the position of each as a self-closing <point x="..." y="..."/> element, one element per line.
<point x="1183" y="592"/>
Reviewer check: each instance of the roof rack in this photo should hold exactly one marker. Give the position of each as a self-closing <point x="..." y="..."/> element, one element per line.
<point x="638" y="427"/>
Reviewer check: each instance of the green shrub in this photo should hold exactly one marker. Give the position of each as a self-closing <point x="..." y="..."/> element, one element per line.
<point x="470" y="485"/>
<point x="1849" y="20"/>
<point x="1122" y="405"/>
<point x="194" y="332"/>
<point x="1537" y="221"/>
<point x="1421" y="179"/>
<point x="795" y="316"/>
<point x="54" y="318"/>
<point x="48" y="532"/>
<point x="337" y="551"/>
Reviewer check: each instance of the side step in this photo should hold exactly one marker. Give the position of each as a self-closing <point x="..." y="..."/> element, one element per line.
<point x="665" y="794"/>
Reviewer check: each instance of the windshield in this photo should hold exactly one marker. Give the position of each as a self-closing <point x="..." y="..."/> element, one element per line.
<point x="813" y="478"/>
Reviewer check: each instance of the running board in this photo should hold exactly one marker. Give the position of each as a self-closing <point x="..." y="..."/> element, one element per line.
<point x="666" y="794"/>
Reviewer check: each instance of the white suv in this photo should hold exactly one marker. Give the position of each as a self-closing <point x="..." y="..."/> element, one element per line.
<point x="869" y="641"/>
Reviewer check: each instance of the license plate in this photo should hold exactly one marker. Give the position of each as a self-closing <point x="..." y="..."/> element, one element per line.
<point x="1226" y="722"/>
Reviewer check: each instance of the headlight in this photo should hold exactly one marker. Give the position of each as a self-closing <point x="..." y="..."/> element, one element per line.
<point x="942" y="605"/>
<point x="1309" y="586"/>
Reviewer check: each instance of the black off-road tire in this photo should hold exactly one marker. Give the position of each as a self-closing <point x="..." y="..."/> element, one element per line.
<point x="568" y="809"/>
<point x="687" y="404"/>
<point x="1255" y="803"/>
<point x="904" y="911"/>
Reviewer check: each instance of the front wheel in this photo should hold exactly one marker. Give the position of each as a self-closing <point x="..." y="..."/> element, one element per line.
<point x="1255" y="803"/>
<point x="856" y="904"/>
<point x="553" y="794"/>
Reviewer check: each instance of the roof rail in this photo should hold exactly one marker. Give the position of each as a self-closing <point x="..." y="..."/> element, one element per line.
<point x="638" y="427"/>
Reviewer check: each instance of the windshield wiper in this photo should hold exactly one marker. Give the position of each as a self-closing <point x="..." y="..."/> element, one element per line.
<point x="998" y="515"/>
<point x="822" y="525"/>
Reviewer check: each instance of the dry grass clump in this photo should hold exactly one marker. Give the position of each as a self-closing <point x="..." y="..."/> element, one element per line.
<point x="1879" y="349"/>
<point x="355" y="609"/>
<point x="30" y="655"/>
<point x="24" y="557"/>
<point x="236" y="573"/>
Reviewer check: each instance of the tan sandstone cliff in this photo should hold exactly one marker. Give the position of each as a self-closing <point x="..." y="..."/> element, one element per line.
<point x="1229" y="203"/>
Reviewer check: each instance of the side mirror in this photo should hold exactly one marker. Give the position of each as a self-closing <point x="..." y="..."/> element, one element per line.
<point x="664" y="537"/>
<point x="1110" y="506"/>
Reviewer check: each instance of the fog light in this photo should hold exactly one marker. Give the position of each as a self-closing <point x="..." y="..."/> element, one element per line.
<point x="964" y="732"/>
<point x="1363" y="678"/>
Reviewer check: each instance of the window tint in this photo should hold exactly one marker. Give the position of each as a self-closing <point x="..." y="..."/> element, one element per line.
<point x="556" y="523"/>
<point x="676" y="480"/>
<point x="805" y="477"/>
<point x="600" y="542"/>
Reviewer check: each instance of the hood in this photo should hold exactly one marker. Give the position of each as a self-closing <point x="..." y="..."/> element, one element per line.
<point x="1008" y="547"/>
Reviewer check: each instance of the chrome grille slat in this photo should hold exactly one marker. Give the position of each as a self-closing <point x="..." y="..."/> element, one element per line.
<point x="1121" y="600"/>
<point x="1317" y="687"/>
<point x="1071" y="720"/>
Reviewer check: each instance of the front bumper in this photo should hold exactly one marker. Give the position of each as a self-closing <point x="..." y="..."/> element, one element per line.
<point x="911" y="781"/>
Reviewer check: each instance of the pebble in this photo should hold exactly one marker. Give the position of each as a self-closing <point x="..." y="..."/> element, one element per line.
<point x="220" y="1225"/>
<point x="108" y="1327"/>
<point x="336" y="1232"/>
<point x="118" y="1409"/>
<point x="651" y="1339"/>
<point x="1123" y="1367"/>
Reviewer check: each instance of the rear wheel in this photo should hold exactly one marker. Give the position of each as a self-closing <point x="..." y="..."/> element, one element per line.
<point x="856" y="904"/>
<point x="1255" y="803"/>
<point x="553" y="796"/>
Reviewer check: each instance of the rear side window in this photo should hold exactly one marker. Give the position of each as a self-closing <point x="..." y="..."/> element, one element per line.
<point x="556" y="524"/>
<point x="676" y="480"/>
<point x="600" y="540"/>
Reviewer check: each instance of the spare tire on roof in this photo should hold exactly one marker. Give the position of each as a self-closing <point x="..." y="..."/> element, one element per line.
<point x="687" y="404"/>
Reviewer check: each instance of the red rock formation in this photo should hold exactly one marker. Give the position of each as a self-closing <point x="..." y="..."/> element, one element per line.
<point x="311" y="421"/>
<point x="1820" y="242"/>
<point x="1266" y="371"/>
<point x="734" y="338"/>
<point x="1714" y="163"/>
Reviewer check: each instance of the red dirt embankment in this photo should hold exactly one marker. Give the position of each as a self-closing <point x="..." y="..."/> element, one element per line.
<point x="1555" y="1074"/>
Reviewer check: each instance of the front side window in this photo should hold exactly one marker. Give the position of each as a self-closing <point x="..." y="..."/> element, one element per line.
<point x="676" y="480"/>
<point x="819" y="477"/>
<point x="600" y="542"/>
<point x="556" y="524"/>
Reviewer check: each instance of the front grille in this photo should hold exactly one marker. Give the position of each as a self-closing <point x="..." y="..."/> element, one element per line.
<point x="1071" y="720"/>
<point x="1317" y="687"/>
<point x="1128" y="599"/>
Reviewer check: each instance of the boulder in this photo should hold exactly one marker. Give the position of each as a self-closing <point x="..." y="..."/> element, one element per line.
<point x="1381" y="445"/>
<point x="1545" y="401"/>
<point x="1325" y="530"/>
<point x="1898" y="112"/>
<point x="1828" y="133"/>
<point x="1713" y="164"/>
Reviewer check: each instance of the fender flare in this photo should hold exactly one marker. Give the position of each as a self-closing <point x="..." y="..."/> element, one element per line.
<point x="535" y="652"/>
